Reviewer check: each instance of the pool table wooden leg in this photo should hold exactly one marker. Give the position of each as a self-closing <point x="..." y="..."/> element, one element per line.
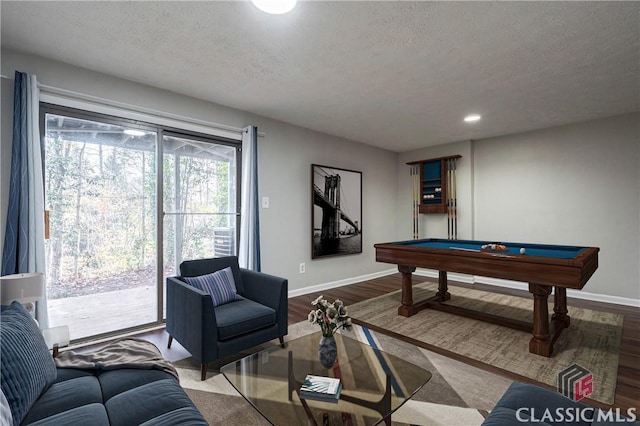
<point x="560" y="318"/>
<point x="407" y="308"/>
<point x="540" y="343"/>
<point x="443" y="288"/>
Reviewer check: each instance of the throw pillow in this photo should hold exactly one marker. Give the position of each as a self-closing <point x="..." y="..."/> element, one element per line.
<point x="27" y="366"/>
<point x="220" y="285"/>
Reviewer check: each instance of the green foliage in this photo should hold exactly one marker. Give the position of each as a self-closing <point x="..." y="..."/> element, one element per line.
<point x="102" y="202"/>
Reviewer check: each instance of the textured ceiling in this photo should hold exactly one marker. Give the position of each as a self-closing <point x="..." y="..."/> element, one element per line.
<point x="398" y="75"/>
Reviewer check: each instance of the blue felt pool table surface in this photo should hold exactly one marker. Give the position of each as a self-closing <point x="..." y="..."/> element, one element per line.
<point x="538" y="250"/>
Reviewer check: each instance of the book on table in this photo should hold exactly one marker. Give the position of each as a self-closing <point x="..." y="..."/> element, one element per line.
<point x="321" y="388"/>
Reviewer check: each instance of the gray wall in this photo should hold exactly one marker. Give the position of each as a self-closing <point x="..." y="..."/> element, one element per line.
<point x="285" y="157"/>
<point x="576" y="185"/>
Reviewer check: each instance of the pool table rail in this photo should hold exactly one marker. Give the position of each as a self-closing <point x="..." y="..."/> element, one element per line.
<point x="570" y="273"/>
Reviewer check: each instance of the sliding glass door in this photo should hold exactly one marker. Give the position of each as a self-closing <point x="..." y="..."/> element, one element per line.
<point x="120" y="223"/>
<point x="200" y="200"/>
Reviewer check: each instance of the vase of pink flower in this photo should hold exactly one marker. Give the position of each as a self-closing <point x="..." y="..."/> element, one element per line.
<point x="331" y="317"/>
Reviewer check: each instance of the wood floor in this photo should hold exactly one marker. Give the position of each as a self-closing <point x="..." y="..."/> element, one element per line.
<point x="628" y="384"/>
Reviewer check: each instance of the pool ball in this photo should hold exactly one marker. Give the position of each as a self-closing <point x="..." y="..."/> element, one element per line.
<point x="522" y="250"/>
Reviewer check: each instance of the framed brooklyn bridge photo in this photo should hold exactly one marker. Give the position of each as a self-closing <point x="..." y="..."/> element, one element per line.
<point x="336" y="214"/>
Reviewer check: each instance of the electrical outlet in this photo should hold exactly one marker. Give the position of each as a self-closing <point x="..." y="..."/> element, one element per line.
<point x="302" y="268"/>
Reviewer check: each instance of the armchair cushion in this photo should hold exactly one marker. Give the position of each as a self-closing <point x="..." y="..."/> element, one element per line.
<point x="220" y="285"/>
<point x="241" y="317"/>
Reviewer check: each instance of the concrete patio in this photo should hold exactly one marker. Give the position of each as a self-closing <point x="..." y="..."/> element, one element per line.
<point x="100" y="313"/>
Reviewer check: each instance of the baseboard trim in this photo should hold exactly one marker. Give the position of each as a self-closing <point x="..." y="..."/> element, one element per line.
<point x="339" y="283"/>
<point x="468" y="279"/>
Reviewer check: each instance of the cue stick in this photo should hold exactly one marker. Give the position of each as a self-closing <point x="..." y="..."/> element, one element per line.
<point x="449" y="199"/>
<point x="413" y="200"/>
<point x="419" y="178"/>
<point x="416" y="199"/>
<point x="455" y="201"/>
<point x="464" y="249"/>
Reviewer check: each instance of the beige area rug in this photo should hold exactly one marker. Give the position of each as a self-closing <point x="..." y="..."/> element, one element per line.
<point x="592" y="341"/>
<point x="457" y="393"/>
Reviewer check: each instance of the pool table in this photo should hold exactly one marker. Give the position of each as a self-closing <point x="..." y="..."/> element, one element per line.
<point x="543" y="266"/>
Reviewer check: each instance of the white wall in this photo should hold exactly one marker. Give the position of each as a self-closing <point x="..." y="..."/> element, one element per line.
<point x="575" y="185"/>
<point x="285" y="157"/>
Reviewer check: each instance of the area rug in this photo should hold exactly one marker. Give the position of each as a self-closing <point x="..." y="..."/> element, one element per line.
<point x="592" y="341"/>
<point x="456" y="394"/>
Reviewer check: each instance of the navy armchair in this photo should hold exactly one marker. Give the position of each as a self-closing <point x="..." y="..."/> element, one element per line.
<point x="209" y="332"/>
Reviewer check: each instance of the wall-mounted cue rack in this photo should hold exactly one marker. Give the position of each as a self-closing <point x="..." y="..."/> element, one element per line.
<point x="434" y="191"/>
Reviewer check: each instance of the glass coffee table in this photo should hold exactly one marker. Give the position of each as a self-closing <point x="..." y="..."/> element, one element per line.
<point x="374" y="383"/>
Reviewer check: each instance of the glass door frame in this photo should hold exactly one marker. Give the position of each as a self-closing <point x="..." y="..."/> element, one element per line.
<point x="160" y="213"/>
<point x="160" y="130"/>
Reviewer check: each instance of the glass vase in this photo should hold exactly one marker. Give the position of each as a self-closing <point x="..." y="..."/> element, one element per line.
<point x="327" y="351"/>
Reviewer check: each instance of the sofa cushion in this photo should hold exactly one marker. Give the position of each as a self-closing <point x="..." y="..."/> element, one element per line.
<point x="92" y="414"/>
<point x="64" y="396"/>
<point x="220" y="285"/>
<point x="182" y="416"/>
<point x="27" y="366"/>
<point x="534" y="400"/>
<point x="115" y="382"/>
<point x="144" y="403"/>
<point x="72" y="373"/>
<point x="503" y="416"/>
<point x="241" y="317"/>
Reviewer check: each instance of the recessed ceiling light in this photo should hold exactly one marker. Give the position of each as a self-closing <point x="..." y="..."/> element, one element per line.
<point x="471" y="118"/>
<point x="275" y="7"/>
<point x="133" y="132"/>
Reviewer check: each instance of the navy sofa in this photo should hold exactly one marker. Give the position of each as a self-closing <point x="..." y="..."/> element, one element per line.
<point x="35" y="392"/>
<point x="530" y="404"/>
<point x="259" y="315"/>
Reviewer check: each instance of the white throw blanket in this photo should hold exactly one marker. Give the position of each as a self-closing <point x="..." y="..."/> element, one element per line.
<point x="122" y="353"/>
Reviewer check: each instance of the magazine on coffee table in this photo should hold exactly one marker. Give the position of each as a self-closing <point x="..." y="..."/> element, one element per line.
<point x="321" y="388"/>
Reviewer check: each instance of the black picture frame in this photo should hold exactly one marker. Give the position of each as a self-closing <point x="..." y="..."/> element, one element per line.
<point x="336" y="211"/>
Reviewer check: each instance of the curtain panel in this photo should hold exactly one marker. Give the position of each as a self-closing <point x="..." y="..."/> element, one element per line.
<point x="249" y="247"/>
<point x="23" y="249"/>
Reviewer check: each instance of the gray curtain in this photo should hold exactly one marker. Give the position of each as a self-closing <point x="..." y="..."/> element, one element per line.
<point x="249" y="247"/>
<point x="23" y="249"/>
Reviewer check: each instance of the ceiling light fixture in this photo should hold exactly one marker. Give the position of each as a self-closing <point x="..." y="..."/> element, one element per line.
<point x="472" y="118"/>
<point x="275" y="7"/>
<point x="133" y="132"/>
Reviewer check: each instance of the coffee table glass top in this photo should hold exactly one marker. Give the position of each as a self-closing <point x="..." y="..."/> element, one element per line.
<point x="374" y="383"/>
